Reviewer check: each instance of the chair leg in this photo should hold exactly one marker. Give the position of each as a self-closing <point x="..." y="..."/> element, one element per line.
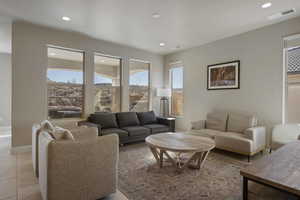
<point x="248" y="158"/>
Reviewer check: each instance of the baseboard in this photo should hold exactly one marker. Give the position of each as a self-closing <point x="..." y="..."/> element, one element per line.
<point x="20" y="149"/>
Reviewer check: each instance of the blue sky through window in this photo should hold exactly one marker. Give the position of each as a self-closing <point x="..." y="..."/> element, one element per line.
<point x="177" y="77"/>
<point x="65" y="76"/>
<point x="139" y="78"/>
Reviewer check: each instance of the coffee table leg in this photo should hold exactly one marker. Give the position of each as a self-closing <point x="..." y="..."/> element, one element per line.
<point x="245" y="188"/>
<point x="155" y="154"/>
<point x="161" y="158"/>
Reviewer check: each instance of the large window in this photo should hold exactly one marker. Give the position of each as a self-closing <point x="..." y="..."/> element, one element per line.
<point x="107" y="81"/>
<point x="65" y="83"/>
<point x="176" y="79"/>
<point x="139" y="86"/>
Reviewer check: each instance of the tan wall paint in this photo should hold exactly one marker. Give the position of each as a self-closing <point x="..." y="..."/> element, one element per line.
<point x="261" y="55"/>
<point x="5" y="89"/>
<point x="29" y="61"/>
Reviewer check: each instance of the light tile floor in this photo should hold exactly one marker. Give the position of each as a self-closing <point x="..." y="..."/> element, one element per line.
<point x="17" y="180"/>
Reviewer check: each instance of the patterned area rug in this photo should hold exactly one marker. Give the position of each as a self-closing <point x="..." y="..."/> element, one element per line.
<point x="140" y="178"/>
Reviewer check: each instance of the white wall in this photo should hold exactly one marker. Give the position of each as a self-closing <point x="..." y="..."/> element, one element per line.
<point x="261" y="55"/>
<point x="29" y="64"/>
<point x="5" y="89"/>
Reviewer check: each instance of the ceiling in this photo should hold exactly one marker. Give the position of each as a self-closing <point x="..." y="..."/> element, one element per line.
<point x="182" y="23"/>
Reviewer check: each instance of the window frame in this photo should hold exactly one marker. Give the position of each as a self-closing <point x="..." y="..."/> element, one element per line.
<point x="172" y="67"/>
<point x="83" y="80"/>
<point x="149" y="82"/>
<point x="121" y="76"/>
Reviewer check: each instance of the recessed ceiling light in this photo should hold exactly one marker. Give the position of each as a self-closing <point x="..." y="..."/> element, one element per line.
<point x="103" y="61"/>
<point x="156" y="15"/>
<point x="52" y="54"/>
<point x="266" y="5"/>
<point x="162" y="44"/>
<point x="65" y="18"/>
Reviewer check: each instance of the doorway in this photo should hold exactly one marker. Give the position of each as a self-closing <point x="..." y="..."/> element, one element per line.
<point x="292" y="80"/>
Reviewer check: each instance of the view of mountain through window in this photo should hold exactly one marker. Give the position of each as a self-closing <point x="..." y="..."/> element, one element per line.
<point x="139" y="86"/>
<point x="107" y="82"/>
<point x="65" y="83"/>
<point x="176" y="77"/>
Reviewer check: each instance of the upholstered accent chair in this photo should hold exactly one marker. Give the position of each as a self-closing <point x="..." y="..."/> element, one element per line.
<point x="77" y="169"/>
<point x="79" y="133"/>
<point x="232" y="132"/>
<point x="283" y="134"/>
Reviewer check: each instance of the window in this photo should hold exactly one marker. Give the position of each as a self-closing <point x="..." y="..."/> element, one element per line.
<point x="65" y="83"/>
<point x="139" y="86"/>
<point x="176" y="79"/>
<point x="107" y="82"/>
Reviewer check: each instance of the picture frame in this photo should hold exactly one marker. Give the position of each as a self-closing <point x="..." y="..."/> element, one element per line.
<point x="223" y="76"/>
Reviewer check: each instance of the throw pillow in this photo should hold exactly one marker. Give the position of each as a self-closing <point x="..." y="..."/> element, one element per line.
<point x="106" y="120"/>
<point x="147" y="117"/>
<point x="127" y="119"/>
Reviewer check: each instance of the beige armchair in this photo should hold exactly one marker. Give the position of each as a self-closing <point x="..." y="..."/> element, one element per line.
<point x="78" y="170"/>
<point x="79" y="133"/>
<point x="283" y="134"/>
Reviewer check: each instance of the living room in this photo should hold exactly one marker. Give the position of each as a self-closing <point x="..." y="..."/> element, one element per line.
<point x="178" y="103"/>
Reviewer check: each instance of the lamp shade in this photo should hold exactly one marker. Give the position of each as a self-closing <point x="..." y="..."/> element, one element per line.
<point x="163" y="92"/>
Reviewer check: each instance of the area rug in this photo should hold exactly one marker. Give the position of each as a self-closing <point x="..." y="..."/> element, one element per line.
<point x="140" y="178"/>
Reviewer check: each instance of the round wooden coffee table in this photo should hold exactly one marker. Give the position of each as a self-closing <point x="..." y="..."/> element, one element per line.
<point x="180" y="143"/>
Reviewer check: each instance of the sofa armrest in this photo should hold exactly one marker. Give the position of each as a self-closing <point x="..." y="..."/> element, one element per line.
<point x="197" y="125"/>
<point x="79" y="164"/>
<point x="258" y="136"/>
<point x="170" y="122"/>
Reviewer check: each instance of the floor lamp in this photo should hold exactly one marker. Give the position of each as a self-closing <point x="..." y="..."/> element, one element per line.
<point x="164" y="94"/>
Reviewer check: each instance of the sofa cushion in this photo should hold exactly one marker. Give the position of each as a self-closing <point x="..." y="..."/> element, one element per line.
<point x="234" y="142"/>
<point x="127" y="119"/>
<point x="206" y="133"/>
<point x="106" y="120"/>
<point x="137" y="130"/>
<point x="239" y="123"/>
<point x="216" y="121"/>
<point x="147" y="117"/>
<point x="157" y="128"/>
<point x="120" y="132"/>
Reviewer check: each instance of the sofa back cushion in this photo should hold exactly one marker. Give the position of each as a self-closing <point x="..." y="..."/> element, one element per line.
<point x="216" y="121"/>
<point x="127" y="119"/>
<point x="147" y="117"/>
<point x="239" y="123"/>
<point x="106" y="120"/>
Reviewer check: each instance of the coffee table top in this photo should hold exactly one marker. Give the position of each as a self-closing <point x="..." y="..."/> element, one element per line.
<point x="180" y="142"/>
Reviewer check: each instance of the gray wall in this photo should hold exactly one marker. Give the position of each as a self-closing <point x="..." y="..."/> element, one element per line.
<point x="29" y="64"/>
<point x="261" y="55"/>
<point x="5" y="89"/>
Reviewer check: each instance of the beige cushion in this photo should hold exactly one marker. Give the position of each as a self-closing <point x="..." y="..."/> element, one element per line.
<point x="47" y="126"/>
<point x="235" y="143"/>
<point x="61" y="134"/>
<point x="206" y="133"/>
<point x="216" y="121"/>
<point x="239" y="123"/>
<point x="69" y="124"/>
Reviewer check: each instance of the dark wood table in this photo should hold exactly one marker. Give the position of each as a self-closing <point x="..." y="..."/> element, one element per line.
<point x="279" y="170"/>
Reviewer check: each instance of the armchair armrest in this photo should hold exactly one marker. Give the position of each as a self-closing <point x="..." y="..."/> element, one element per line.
<point x="90" y="124"/>
<point x="168" y="121"/>
<point x="258" y="136"/>
<point x="197" y="125"/>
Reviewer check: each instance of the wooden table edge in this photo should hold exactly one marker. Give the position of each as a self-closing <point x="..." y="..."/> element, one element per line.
<point x="269" y="183"/>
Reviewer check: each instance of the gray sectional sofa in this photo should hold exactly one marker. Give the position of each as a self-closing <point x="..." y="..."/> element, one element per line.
<point x="130" y="126"/>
